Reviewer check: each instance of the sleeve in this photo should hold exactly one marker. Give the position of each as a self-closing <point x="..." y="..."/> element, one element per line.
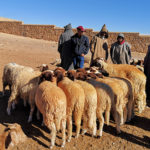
<point x="105" y="46"/>
<point x="87" y="45"/>
<point x="129" y="50"/>
<point x="112" y="54"/>
<point x="146" y="60"/>
<point x="60" y="44"/>
<point x="92" y="45"/>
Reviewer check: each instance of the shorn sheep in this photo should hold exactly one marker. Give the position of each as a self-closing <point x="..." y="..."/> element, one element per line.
<point x="130" y="72"/>
<point x="51" y="102"/>
<point x="23" y="83"/>
<point x="90" y="106"/>
<point x="9" y="73"/>
<point x="75" y="101"/>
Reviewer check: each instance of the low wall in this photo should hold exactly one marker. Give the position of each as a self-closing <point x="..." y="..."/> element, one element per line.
<point x="138" y="42"/>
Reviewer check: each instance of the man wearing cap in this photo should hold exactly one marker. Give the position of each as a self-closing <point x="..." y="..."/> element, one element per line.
<point x="80" y="47"/>
<point x="99" y="45"/>
<point x="147" y="73"/>
<point x="64" y="48"/>
<point x="120" y="51"/>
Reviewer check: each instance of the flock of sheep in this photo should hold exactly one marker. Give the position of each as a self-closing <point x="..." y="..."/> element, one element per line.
<point x="64" y="97"/>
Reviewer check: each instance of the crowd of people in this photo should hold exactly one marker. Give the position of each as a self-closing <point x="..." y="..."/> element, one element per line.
<point x="73" y="48"/>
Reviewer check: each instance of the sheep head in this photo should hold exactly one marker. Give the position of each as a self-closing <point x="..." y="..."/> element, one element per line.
<point x="46" y="75"/>
<point x="71" y="74"/>
<point x="81" y="76"/>
<point x="43" y="67"/>
<point x="98" y="62"/>
<point x="60" y="69"/>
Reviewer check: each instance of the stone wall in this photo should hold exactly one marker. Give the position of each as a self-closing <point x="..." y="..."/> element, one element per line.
<point x="138" y="42"/>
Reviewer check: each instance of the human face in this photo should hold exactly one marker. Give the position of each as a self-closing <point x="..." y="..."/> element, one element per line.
<point x="120" y="39"/>
<point x="80" y="33"/>
<point x="103" y="34"/>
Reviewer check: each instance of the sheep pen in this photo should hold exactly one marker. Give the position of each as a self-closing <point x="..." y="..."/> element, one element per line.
<point x="135" y="135"/>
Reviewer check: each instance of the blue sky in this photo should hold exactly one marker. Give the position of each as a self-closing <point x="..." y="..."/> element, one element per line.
<point x="118" y="15"/>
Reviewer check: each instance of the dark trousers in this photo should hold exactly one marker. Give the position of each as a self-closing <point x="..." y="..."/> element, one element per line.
<point x="78" y="62"/>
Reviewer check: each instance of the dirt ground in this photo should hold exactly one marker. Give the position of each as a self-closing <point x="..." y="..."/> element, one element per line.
<point x="31" y="52"/>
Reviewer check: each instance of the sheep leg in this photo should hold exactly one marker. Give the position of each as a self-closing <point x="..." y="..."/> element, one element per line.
<point x="77" y="117"/>
<point x="32" y="107"/>
<point x="4" y="86"/>
<point x="52" y="127"/>
<point x="101" y="121"/>
<point x="69" y="126"/>
<point x="38" y="114"/>
<point x="107" y="114"/>
<point x="11" y="100"/>
<point x="94" y="126"/>
<point x="25" y="103"/>
<point x="117" y="120"/>
<point x="63" y="128"/>
<point x="130" y="108"/>
<point x="125" y="115"/>
<point x="121" y="116"/>
<point x="84" y="130"/>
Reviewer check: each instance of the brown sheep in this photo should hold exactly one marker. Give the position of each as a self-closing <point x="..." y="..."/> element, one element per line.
<point x="105" y="98"/>
<point x="51" y="102"/>
<point x="133" y="74"/>
<point x="75" y="102"/>
<point x="89" y="115"/>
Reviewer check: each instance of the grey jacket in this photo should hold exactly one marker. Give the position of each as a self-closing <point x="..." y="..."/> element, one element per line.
<point x="120" y="54"/>
<point x="64" y="47"/>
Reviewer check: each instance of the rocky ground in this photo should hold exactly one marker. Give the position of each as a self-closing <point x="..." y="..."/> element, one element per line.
<point x="31" y="52"/>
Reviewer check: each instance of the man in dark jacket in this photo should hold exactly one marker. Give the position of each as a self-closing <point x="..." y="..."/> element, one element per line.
<point x="147" y="73"/>
<point x="80" y="47"/>
<point x="64" y="48"/>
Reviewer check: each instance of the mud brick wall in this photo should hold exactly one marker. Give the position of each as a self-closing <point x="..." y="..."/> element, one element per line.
<point x="138" y="42"/>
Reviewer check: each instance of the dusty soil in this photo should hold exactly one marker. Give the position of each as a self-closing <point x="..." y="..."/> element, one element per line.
<point x="31" y="52"/>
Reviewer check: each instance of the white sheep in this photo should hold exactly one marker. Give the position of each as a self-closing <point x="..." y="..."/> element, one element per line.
<point x="23" y="83"/>
<point x="9" y="73"/>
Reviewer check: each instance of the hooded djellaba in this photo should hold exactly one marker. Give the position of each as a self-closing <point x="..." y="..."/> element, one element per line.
<point x="120" y="51"/>
<point x="99" y="45"/>
<point x="64" y="48"/>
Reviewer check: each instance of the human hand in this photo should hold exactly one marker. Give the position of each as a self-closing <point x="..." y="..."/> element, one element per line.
<point x="82" y="55"/>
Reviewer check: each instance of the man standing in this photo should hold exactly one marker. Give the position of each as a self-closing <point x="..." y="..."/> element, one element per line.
<point x="99" y="45"/>
<point x="80" y="47"/>
<point x="64" y="48"/>
<point x="120" y="51"/>
<point x="147" y="73"/>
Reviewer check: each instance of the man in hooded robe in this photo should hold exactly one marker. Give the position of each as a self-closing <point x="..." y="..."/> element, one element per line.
<point x="120" y="51"/>
<point x="64" y="48"/>
<point x="99" y="45"/>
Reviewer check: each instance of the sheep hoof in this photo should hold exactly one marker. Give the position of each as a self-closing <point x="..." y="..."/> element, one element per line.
<point x="83" y="131"/>
<point x="8" y="111"/>
<point x="29" y="119"/>
<point x="98" y="137"/>
<point x="118" y="132"/>
<point x="63" y="146"/>
<point x="68" y="140"/>
<point x="13" y="105"/>
<point x="76" y="136"/>
<point x="51" y="147"/>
